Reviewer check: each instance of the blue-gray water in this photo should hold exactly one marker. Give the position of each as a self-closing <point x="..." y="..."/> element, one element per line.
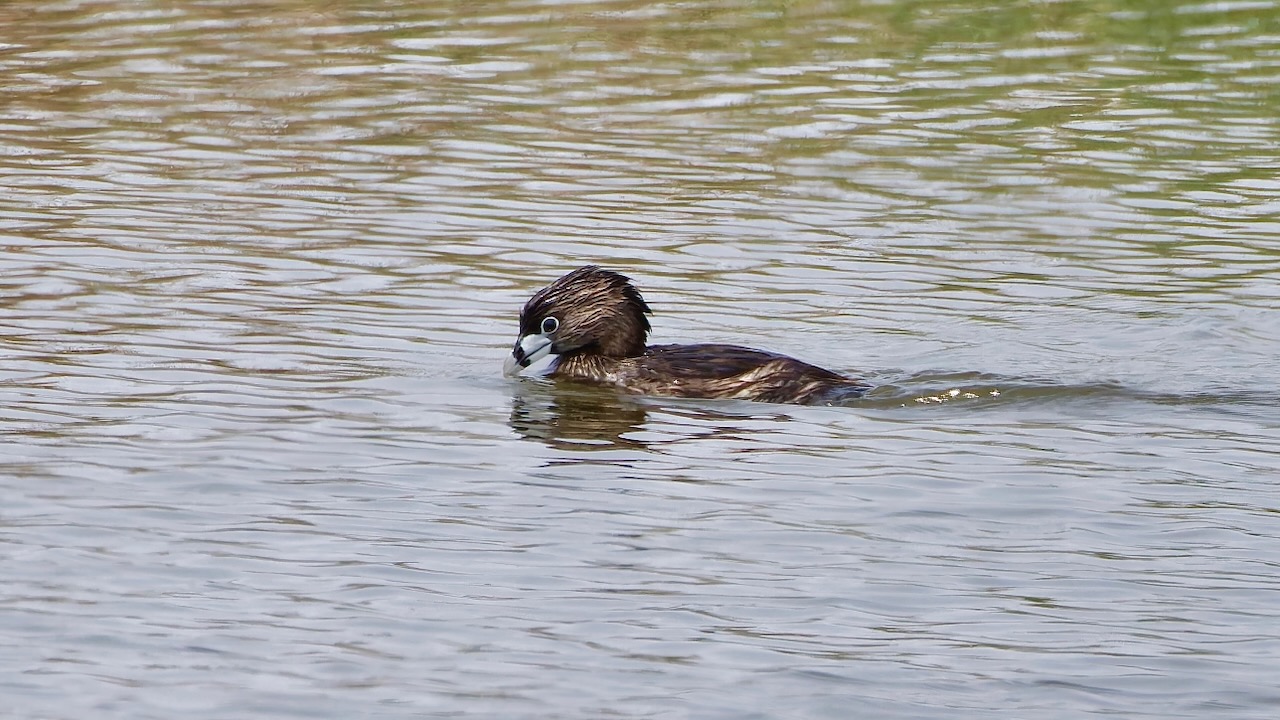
<point x="260" y="265"/>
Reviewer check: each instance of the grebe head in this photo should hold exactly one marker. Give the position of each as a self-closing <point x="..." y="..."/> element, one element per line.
<point x="590" y="310"/>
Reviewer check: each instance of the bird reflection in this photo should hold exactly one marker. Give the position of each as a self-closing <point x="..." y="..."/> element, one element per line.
<point x="576" y="416"/>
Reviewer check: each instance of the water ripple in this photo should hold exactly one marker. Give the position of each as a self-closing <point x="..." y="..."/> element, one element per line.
<point x="261" y="266"/>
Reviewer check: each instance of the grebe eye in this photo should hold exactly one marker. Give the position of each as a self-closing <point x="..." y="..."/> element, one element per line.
<point x="549" y="325"/>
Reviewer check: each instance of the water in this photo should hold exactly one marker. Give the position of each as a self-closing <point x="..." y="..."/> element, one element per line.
<point x="261" y="265"/>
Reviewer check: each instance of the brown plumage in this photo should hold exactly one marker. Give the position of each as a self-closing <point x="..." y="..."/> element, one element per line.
<point x="594" y="321"/>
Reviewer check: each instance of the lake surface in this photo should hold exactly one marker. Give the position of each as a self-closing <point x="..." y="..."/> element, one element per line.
<point x="261" y="264"/>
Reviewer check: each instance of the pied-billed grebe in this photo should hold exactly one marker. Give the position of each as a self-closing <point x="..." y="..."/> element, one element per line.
<point x="594" y="320"/>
